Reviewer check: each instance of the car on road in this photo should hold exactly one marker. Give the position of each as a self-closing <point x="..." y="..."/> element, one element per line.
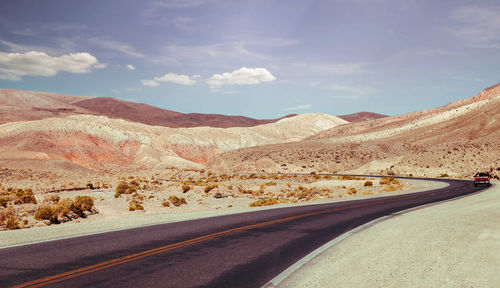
<point x="481" y="178"/>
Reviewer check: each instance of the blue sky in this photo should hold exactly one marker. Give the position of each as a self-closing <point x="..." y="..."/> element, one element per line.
<point x="261" y="59"/>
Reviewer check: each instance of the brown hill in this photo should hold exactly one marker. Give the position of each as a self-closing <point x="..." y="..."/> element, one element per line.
<point x="361" y="116"/>
<point x="19" y="105"/>
<point x="151" y="115"/>
<point x="457" y="139"/>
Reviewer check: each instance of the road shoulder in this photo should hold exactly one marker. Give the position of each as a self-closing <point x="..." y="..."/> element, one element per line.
<point x="453" y="244"/>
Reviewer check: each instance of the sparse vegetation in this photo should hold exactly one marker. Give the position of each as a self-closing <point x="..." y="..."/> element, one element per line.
<point x="368" y="184"/>
<point x="135" y="205"/>
<point x="47" y="212"/>
<point x="177" y="201"/>
<point x="185" y="188"/>
<point x="210" y="187"/>
<point x="265" y="202"/>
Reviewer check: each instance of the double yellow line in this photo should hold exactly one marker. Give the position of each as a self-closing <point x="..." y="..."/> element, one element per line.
<point x="136" y="256"/>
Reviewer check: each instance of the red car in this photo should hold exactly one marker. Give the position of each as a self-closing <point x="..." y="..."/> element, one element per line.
<point x="482" y="178"/>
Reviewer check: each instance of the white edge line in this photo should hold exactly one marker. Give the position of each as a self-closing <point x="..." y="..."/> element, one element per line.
<point x="290" y="270"/>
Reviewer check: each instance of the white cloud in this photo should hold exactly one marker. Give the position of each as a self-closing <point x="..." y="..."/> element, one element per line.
<point x="15" y="65"/>
<point x="479" y="26"/>
<point x="151" y="83"/>
<point x="242" y="76"/>
<point x="130" y="67"/>
<point x="298" y="107"/>
<point x="177" y="79"/>
<point x="100" y="65"/>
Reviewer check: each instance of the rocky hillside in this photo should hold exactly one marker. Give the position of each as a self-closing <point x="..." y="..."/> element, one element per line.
<point x="457" y="139"/>
<point x="99" y="142"/>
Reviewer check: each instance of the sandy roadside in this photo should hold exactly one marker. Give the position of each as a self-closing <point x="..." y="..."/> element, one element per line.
<point x="90" y="226"/>
<point x="453" y="244"/>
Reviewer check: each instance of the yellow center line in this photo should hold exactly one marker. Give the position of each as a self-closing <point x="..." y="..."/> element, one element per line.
<point x="136" y="256"/>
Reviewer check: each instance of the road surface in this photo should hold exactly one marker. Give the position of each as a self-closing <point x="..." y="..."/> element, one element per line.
<point x="241" y="250"/>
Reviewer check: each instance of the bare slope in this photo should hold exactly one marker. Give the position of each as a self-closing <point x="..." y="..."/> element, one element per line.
<point x="102" y="143"/>
<point x="457" y="139"/>
<point x="147" y="114"/>
<point x="19" y="105"/>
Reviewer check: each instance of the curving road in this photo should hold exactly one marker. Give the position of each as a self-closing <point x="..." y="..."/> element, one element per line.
<point x="241" y="250"/>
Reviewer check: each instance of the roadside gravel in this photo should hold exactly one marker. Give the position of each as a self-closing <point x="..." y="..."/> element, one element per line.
<point x="452" y="244"/>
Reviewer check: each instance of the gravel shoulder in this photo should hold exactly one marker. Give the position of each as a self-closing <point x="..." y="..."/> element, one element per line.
<point x="99" y="224"/>
<point x="452" y="244"/>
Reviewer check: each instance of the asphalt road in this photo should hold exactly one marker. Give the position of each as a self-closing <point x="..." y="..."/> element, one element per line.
<point x="241" y="250"/>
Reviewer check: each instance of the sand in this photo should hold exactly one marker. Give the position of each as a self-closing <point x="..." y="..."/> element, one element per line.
<point x="453" y="244"/>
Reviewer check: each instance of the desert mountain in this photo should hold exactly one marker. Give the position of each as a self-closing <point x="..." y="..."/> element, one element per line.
<point x="102" y="143"/>
<point x="147" y="114"/>
<point x="361" y="116"/>
<point x="19" y="105"/>
<point x="458" y="139"/>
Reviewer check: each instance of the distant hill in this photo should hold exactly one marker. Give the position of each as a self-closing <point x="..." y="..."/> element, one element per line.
<point x="20" y="105"/>
<point x="151" y="115"/>
<point x="361" y="116"/>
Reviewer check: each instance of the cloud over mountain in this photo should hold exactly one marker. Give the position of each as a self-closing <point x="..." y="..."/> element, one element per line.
<point x="242" y="76"/>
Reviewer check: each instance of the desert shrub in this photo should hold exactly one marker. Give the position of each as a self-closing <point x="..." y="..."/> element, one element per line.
<point x="443" y="175"/>
<point x="47" y="213"/>
<point x="135" y="205"/>
<point x="387" y="180"/>
<point x="209" y="188"/>
<point x="124" y="188"/>
<point x="8" y="218"/>
<point x="185" y="188"/>
<point x="63" y="208"/>
<point x="82" y="204"/>
<point x="12" y="223"/>
<point x="165" y="203"/>
<point x="25" y="196"/>
<point x="176" y="200"/>
<point x="90" y="186"/>
<point x="3" y="201"/>
<point x="265" y="202"/>
<point x="134" y="183"/>
<point x="352" y="191"/>
<point x="368" y="184"/>
<point x="52" y="199"/>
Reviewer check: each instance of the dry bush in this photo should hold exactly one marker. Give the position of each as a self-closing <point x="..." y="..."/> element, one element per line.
<point x="352" y="191"/>
<point x="165" y="203"/>
<point x="54" y="199"/>
<point x="177" y="201"/>
<point x="8" y="218"/>
<point x="185" y="188"/>
<point x="265" y="202"/>
<point x="134" y="205"/>
<point x="82" y="204"/>
<point x="3" y="201"/>
<point x="47" y="212"/>
<point x="25" y="197"/>
<point x="349" y="177"/>
<point x="388" y="180"/>
<point x="208" y="188"/>
<point x="368" y="184"/>
<point x="444" y="175"/>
